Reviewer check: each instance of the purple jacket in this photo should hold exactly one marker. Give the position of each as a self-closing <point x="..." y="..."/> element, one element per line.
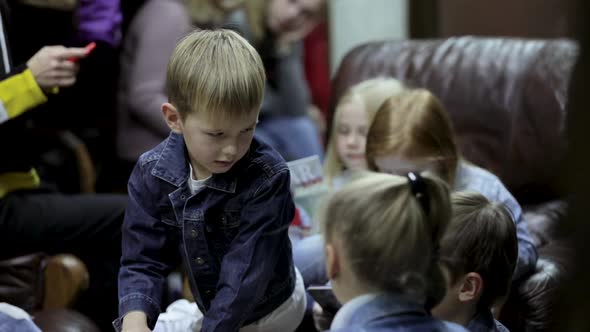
<point x="99" y="20"/>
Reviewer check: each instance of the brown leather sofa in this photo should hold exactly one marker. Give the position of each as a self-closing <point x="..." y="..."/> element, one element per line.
<point x="507" y="101"/>
<point x="46" y="287"/>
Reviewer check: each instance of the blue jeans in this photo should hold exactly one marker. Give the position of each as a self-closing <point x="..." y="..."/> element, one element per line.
<point x="293" y="137"/>
<point x="309" y="258"/>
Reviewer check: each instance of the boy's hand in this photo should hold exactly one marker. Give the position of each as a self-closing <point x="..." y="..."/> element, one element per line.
<point x="51" y="68"/>
<point x="135" y="321"/>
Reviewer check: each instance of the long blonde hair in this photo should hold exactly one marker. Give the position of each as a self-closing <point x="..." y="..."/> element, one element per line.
<point x="371" y="93"/>
<point x="391" y="230"/>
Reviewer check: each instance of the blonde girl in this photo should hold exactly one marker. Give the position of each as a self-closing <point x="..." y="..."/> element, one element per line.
<point x="345" y="155"/>
<point x="352" y="118"/>
<point x="381" y="251"/>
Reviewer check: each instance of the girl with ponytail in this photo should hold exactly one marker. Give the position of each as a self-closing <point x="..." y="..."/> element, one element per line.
<point x="382" y="234"/>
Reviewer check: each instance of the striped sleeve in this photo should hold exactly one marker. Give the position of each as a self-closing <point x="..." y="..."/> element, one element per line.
<point x="19" y="92"/>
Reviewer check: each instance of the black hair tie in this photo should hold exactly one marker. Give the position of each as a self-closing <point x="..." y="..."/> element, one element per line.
<point x="418" y="187"/>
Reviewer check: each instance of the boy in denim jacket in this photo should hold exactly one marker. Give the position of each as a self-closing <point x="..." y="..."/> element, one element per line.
<point x="212" y="198"/>
<point x="480" y="250"/>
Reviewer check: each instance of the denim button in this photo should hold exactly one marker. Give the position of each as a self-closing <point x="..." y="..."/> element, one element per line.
<point x="200" y="261"/>
<point x="194" y="234"/>
<point x="182" y="197"/>
<point x="208" y="292"/>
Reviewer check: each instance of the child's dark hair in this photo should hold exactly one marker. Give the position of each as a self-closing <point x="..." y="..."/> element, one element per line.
<point x="481" y="238"/>
<point x="391" y="227"/>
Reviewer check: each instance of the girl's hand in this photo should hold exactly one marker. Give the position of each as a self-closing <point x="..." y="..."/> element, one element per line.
<point x="321" y="319"/>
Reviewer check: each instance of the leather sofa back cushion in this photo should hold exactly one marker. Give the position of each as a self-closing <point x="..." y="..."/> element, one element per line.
<point x="506" y="98"/>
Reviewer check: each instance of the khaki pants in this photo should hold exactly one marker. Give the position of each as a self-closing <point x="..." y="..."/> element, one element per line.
<point x="182" y="315"/>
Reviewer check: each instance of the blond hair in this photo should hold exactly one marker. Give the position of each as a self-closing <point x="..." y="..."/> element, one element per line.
<point x="371" y="93"/>
<point x="414" y="124"/>
<point x="389" y="237"/>
<point x="481" y="238"/>
<point x="215" y="72"/>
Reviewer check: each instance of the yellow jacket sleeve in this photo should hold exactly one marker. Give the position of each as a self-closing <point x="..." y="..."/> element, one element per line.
<point x="19" y="92"/>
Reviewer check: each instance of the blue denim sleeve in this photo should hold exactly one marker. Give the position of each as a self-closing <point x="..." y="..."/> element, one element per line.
<point x="527" y="252"/>
<point x="249" y="264"/>
<point x="148" y="255"/>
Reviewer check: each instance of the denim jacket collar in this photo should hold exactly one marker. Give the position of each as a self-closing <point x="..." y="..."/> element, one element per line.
<point x="385" y="305"/>
<point x="176" y="173"/>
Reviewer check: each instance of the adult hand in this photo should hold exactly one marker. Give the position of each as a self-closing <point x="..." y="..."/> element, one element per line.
<point x="51" y="68"/>
<point x="286" y="39"/>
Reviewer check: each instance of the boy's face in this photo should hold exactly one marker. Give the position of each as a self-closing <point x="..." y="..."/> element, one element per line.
<point x="214" y="145"/>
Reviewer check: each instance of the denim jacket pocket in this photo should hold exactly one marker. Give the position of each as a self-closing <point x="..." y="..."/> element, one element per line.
<point x="229" y="220"/>
<point x="224" y="228"/>
<point x="168" y="217"/>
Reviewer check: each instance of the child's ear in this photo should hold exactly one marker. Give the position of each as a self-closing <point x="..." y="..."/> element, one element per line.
<point x="172" y="117"/>
<point x="472" y="287"/>
<point x="332" y="262"/>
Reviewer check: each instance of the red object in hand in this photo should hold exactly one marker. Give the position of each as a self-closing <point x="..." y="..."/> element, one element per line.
<point x="88" y="48"/>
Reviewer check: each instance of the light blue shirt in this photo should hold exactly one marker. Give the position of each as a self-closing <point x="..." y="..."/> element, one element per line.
<point x="15" y="319"/>
<point x="472" y="178"/>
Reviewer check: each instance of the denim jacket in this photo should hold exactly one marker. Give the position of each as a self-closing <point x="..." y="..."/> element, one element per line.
<point x="231" y="236"/>
<point x="388" y="313"/>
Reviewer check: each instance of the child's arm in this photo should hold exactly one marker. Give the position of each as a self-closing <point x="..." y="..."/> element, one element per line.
<point x="148" y="254"/>
<point x="251" y="260"/>
<point x="527" y="252"/>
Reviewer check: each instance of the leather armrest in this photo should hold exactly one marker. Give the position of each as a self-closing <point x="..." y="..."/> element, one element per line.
<point x="36" y="281"/>
<point x="542" y="220"/>
<point x="530" y="305"/>
<point x="66" y="277"/>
